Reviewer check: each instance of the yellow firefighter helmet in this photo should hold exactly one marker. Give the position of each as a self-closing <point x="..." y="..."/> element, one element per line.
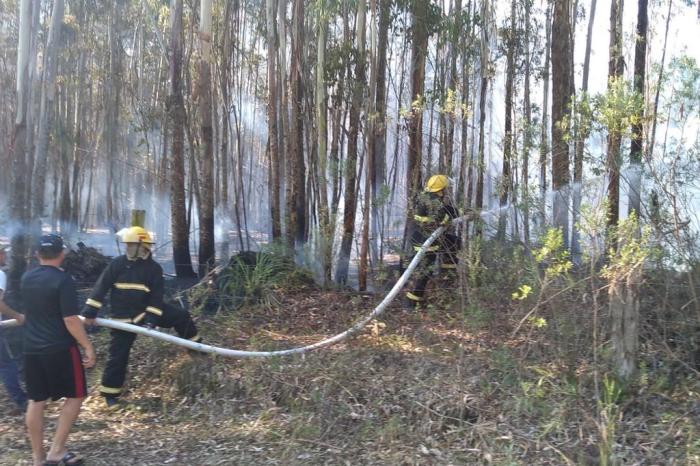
<point x="436" y="183"/>
<point x="135" y="235"/>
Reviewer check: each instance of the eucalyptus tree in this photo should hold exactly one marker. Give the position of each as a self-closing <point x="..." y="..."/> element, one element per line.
<point x="272" y="118"/>
<point x="544" y="145"/>
<point x="176" y="124"/>
<point x="615" y="74"/>
<point x="485" y="76"/>
<point x="296" y="168"/>
<point x="561" y="99"/>
<point x="506" y="172"/>
<point x="582" y="132"/>
<point x="18" y="202"/>
<point x="638" y="136"/>
<point x="206" y="207"/>
<point x="46" y="111"/>
<point x="350" y="190"/>
<point x="420" y="27"/>
<point x="325" y="236"/>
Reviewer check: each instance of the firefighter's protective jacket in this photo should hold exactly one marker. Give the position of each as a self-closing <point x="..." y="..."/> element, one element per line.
<point x="136" y="291"/>
<point x="430" y="212"/>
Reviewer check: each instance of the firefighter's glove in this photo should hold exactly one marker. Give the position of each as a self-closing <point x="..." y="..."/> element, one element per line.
<point x="150" y="323"/>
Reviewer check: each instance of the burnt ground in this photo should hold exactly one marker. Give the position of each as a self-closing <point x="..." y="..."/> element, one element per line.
<point x="430" y="387"/>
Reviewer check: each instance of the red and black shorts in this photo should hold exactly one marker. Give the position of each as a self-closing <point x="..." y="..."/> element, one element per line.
<point x="55" y="375"/>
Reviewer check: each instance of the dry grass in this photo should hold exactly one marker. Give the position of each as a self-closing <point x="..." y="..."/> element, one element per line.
<point x="417" y="388"/>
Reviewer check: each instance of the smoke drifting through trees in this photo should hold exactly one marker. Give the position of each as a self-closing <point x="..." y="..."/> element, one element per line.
<point x="121" y="105"/>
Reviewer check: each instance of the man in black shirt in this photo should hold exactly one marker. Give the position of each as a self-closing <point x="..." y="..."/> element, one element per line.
<point x="53" y="366"/>
<point x="135" y="284"/>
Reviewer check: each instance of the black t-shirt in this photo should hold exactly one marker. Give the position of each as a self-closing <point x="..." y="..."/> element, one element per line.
<point x="48" y="295"/>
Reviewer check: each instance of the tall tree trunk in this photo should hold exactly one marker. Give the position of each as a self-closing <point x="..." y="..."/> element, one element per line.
<point x="18" y="201"/>
<point x="452" y="86"/>
<point x="485" y="75"/>
<point x="46" y="112"/>
<point x="527" y="136"/>
<point x="112" y="95"/>
<point x="466" y="167"/>
<point x="419" y="51"/>
<point x="506" y="181"/>
<point x="379" y="130"/>
<point x="296" y="187"/>
<point x="371" y="155"/>
<point x="176" y="124"/>
<point x="561" y="98"/>
<point x="325" y="233"/>
<point x="615" y="71"/>
<point x="350" y="206"/>
<point x="272" y="136"/>
<point x="636" y="150"/>
<point x="624" y="296"/>
<point x="660" y="80"/>
<point x="207" y="252"/>
<point x="544" y="134"/>
<point x="225" y="148"/>
<point x="282" y="85"/>
<point x="583" y="133"/>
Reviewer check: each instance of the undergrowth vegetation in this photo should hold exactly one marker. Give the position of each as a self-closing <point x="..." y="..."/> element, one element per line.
<point x="509" y="363"/>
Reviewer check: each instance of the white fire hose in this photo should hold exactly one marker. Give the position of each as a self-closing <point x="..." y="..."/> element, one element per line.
<point x="233" y="353"/>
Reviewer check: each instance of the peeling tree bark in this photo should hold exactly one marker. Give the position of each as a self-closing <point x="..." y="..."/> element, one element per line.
<point x="46" y="112"/>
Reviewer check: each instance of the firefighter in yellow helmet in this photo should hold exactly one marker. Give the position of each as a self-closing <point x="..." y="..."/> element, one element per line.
<point x="432" y="209"/>
<point x="135" y="284"/>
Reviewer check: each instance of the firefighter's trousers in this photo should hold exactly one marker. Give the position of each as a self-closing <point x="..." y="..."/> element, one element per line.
<point x="445" y="248"/>
<point x="121" y="342"/>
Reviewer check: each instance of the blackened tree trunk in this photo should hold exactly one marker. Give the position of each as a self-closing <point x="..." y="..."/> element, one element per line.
<point x="325" y="231"/>
<point x="350" y="205"/>
<point x="636" y="151"/>
<point x="561" y="98"/>
<point x="419" y="50"/>
<point x="378" y="142"/>
<point x="615" y="70"/>
<point x="272" y="141"/>
<point x="484" y="73"/>
<point x="527" y="136"/>
<point x="456" y="30"/>
<point x="504" y="188"/>
<point x="207" y="250"/>
<point x="296" y="187"/>
<point x="176" y="124"/>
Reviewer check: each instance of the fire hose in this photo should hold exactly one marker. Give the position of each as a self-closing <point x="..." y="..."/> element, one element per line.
<point x="233" y="353"/>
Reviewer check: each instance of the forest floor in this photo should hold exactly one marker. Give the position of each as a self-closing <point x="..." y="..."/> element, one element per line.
<point x="434" y="386"/>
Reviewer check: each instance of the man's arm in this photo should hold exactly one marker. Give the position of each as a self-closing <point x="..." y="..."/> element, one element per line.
<point x="102" y="287"/>
<point x="154" y="310"/>
<point x="77" y="330"/>
<point x="11" y="313"/>
<point x="70" y="309"/>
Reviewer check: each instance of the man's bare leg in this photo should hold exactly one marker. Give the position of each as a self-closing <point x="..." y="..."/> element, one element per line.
<point x="69" y="413"/>
<point x="35" y="427"/>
